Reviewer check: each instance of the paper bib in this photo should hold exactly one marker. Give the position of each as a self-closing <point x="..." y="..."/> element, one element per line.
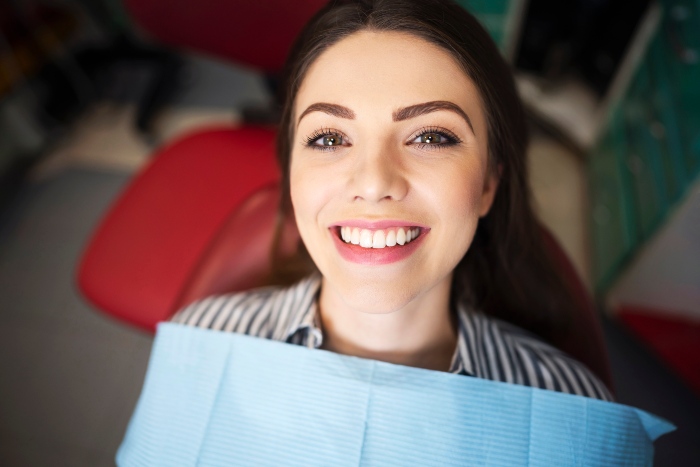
<point x="218" y="399"/>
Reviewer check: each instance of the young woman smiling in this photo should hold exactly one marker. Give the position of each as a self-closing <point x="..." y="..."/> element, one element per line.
<point x="402" y="148"/>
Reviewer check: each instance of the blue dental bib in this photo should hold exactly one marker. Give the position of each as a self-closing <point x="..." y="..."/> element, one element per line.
<point x="218" y="399"/>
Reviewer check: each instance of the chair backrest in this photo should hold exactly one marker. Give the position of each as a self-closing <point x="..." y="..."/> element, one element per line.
<point x="255" y="33"/>
<point x="159" y="239"/>
<point x="239" y="257"/>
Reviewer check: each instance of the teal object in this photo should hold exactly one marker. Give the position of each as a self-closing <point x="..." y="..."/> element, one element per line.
<point x="496" y="16"/>
<point x="655" y="128"/>
<point x="612" y="215"/>
<point x="217" y="399"/>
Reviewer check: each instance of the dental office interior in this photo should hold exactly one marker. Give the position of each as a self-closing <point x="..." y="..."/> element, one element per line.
<point x="96" y="96"/>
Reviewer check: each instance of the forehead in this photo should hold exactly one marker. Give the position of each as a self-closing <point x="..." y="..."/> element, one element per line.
<point x="381" y="71"/>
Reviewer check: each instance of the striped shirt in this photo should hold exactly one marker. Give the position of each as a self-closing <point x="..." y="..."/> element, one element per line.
<point x="486" y="347"/>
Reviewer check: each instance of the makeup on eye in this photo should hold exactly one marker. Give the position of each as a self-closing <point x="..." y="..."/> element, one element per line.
<point x="431" y="138"/>
<point x="325" y="139"/>
<point x="428" y="138"/>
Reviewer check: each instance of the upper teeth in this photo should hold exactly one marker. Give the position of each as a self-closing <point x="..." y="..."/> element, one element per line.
<point x="378" y="238"/>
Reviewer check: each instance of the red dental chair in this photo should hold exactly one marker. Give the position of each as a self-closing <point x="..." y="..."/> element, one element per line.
<point x="165" y="241"/>
<point x="199" y="219"/>
<point x="257" y="34"/>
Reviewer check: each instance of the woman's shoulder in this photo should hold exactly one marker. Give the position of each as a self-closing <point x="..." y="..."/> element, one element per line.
<point x="506" y="352"/>
<point x="263" y="312"/>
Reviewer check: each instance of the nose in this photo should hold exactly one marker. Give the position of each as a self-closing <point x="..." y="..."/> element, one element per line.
<point x="379" y="174"/>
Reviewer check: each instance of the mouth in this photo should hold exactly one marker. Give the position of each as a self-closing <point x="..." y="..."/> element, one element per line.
<point x="366" y="243"/>
<point x="378" y="238"/>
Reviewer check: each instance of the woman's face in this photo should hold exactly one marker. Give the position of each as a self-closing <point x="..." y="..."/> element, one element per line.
<point x="390" y="143"/>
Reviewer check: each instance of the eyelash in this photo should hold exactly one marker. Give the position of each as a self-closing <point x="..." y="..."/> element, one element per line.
<point x="320" y="133"/>
<point x="451" y="138"/>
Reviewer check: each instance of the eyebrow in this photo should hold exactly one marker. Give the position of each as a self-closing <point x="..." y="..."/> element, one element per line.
<point x="331" y="109"/>
<point x="413" y="111"/>
<point x="403" y="113"/>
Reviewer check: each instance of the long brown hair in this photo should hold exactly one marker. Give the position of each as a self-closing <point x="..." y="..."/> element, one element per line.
<point x="506" y="272"/>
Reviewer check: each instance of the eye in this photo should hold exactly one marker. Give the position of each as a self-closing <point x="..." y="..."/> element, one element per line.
<point x="329" y="140"/>
<point x="326" y="140"/>
<point x="434" y="138"/>
<point x="431" y="138"/>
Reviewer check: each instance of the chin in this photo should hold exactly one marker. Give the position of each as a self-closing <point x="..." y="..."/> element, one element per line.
<point x="376" y="297"/>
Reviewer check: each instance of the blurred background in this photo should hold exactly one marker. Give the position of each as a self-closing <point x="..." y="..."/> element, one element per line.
<point x="96" y="93"/>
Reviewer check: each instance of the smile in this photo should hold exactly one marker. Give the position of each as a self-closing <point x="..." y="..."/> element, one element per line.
<point x="379" y="238"/>
<point x="377" y="243"/>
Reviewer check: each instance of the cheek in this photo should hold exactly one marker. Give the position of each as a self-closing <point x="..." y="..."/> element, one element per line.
<point x="300" y="190"/>
<point x="310" y="191"/>
<point x="458" y="202"/>
<point x="457" y="191"/>
<point x="466" y="197"/>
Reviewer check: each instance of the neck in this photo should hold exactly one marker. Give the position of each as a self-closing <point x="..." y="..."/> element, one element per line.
<point x="421" y="334"/>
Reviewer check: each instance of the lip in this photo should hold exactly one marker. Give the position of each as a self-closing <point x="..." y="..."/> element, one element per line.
<point x="376" y="256"/>
<point x="376" y="225"/>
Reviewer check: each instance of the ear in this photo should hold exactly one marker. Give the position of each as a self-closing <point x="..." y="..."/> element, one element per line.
<point x="493" y="178"/>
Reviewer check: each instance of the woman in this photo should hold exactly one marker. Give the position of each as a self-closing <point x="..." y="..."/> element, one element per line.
<point x="402" y="147"/>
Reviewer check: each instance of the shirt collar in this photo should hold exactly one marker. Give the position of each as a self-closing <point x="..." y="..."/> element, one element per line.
<point x="463" y="359"/>
<point x="305" y="318"/>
